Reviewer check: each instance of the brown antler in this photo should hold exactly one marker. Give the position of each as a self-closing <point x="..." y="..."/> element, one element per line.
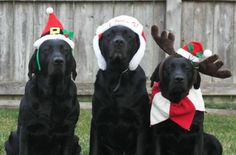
<point x="165" y="41"/>
<point x="211" y="66"/>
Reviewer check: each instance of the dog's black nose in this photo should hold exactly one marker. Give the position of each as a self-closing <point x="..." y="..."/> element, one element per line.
<point x="58" y="60"/>
<point x="119" y="42"/>
<point x="179" y="78"/>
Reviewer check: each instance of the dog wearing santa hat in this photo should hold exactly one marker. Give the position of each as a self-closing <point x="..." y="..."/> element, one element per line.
<point x="49" y="109"/>
<point x="177" y="110"/>
<point x="120" y="105"/>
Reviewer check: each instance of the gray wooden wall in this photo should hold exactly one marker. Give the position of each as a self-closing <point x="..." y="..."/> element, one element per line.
<point x="21" y="22"/>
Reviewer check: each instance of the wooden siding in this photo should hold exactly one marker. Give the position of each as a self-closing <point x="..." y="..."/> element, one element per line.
<point x="21" y="23"/>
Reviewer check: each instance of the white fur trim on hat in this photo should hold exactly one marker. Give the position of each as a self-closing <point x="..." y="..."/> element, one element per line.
<point x="187" y="55"/>
<point x="126" y="21"/>
<point x="135" y="61"/>
<point x="38" y="42"/>
<point x="101" y="61"/>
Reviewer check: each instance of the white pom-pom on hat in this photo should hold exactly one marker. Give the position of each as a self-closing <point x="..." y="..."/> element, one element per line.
<point x="49" y="10"/>
<point x="207" y="53"/>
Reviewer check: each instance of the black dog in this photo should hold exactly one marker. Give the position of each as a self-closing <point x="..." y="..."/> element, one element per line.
<point x="176" y="76"/>
<point x="120" y="101"/>
<point x="49" y="108"/>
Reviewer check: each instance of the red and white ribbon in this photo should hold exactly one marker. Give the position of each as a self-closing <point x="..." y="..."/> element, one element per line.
<point x="181" y="113"/>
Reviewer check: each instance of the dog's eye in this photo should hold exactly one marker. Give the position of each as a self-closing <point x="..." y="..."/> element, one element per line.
<point x="47" y="50"/>
<point x="108" y="36"/>
<point x="172" y="67"/>
<point x="125" y="32"/>
<point x="129" y="37"/>
<point x="186" y="67"/>
<point x="65" y="50"/>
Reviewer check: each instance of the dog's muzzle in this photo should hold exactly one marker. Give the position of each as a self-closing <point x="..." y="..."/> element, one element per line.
<point x="58" y="61"/>
<point x="56" y="65"/>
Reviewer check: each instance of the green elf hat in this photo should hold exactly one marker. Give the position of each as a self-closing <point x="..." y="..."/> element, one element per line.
<point x="53" y="30"/>
<point x="194" y="51"/>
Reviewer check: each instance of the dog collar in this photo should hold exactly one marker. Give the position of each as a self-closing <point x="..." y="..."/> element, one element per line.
<point x="118" y="83"/>
<point x="181" y="113"/>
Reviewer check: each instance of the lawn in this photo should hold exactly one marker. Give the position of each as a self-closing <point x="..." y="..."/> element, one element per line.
<point x="224" y="127"/>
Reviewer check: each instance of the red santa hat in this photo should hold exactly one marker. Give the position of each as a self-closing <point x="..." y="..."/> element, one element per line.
<point x="132" y="24"/>
<point x="54" y="30"/>
<point x="194" y="51"/>
<point x="181" y="113"/>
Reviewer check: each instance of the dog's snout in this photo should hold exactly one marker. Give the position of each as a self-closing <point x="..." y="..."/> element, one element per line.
<point x="119" y="42"/>
<point x="179" y="78"/>
<point x="58" y="60"/>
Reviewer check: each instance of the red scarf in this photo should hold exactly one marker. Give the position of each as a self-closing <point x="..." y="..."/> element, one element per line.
<point x="181" y="113"/>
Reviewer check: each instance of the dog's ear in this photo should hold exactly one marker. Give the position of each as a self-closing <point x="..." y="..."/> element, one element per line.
<point x="197" y="80"/>
<point x="74" y="73"/>
<point x="155" y="75"/>
<point x="32" y="65"/>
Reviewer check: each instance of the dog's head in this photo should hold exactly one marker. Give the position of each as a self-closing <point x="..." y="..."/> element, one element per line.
<point x="176" y="76"/>
<point x="118" y="46"/>
<point x="54" y="57"/>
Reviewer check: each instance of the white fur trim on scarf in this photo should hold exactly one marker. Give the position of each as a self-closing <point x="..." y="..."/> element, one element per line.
<point x="159" y="111"/>
<point x="126" y="21"/>
<point x="38" y="42"/>
<point x="160" y="108"/>
<point x="187" y="55"/>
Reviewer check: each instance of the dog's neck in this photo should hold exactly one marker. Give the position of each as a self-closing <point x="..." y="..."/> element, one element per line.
<point x="114" y="78"/>
<point x="52" y="85"/>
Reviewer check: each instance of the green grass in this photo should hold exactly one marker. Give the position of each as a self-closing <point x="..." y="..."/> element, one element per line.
<point x="8" y="122"/>
<point x="223" y="127"/>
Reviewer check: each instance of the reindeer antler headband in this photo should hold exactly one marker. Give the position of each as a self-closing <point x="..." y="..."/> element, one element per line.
<point x="210" y="66"/>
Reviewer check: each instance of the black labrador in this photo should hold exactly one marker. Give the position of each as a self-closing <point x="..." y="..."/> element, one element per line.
<point x="176" y="76"/>
<point x="120" y="105"/>
<point x="49" y="109"/>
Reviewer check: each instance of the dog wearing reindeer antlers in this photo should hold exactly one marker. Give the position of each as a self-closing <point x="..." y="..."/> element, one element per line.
<point x="177" y="111"/>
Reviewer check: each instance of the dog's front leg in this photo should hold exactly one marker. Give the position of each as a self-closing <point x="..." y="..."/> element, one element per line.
<point x="68" y="145"/>
<point x="93" y="141"/>
<point x="142" y="143"/>
<point x="156" y="146"/>
<point x="198" y="149"/>
<point x="23" y="142"/>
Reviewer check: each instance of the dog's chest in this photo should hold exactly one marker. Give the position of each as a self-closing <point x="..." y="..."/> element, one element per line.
<point x="124" y="91"/>
<point x="53" y="110"/>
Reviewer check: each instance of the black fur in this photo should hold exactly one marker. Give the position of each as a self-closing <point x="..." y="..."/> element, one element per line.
<point x="176" y="75"/>
<point x="49" y="108"/>
<point x="120" y="101"/>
